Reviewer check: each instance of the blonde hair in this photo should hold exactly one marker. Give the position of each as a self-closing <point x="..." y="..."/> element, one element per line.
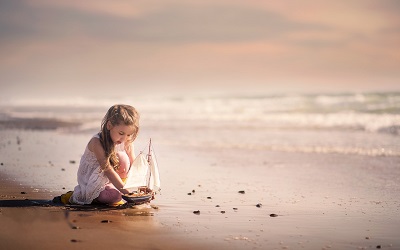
<point x="117" y="115"/>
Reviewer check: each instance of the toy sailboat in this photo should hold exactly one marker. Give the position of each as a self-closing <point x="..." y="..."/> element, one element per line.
<point x="143" y="179"/>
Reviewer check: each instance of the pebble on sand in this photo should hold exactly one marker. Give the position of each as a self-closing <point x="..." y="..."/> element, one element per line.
<point x="273" y="215"/>
<point x="196" y="212"/>
<point x="105" y="221"/>
<point x="259" y="205"/>
<point x="241" y="192"/>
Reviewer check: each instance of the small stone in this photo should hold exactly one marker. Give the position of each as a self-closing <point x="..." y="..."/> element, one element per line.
<point x="222" y="212"/>
<point x="1" y="164"/>
<point x="217" y="206"/>
<point x="367" y="238"/>
<point x="235" y="208"/>
<point x="189" y="193"/>
<point x="23" y="192"/>
<point x="196" y="212"/>
<point x="241" y="192"/>
<point x="259" y="205"/>
<point x="273" y="215"/>
<point x="63" y="169"/>
<point x="73" y="240"/>
<point x="193" y="191"/>
<point x="209" y="197"/>
<point x="76" y="227"/>
<point x="379" y="246"/>
<point x="72" y="161"/>
<point x="105" y="221"/>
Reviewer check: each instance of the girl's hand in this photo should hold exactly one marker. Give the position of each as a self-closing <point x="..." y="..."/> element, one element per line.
<point x="124" y="191"/>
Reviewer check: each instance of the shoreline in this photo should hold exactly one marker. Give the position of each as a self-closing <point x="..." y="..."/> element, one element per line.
<point x="322" y="201"/>
<point x="28" y="225"/>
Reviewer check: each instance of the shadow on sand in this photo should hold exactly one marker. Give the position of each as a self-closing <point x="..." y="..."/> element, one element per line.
<point x="54" y="203"/>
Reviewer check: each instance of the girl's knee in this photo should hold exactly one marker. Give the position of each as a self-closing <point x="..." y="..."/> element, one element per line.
<point x="109" y="195"/>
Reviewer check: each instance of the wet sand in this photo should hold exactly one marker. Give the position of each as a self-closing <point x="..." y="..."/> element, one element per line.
<point x="211" y="198"/>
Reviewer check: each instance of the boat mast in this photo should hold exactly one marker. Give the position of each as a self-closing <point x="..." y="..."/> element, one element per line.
<point x="149" y="161"/>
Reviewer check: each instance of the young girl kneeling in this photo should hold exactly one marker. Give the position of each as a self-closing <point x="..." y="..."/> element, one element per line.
<point x="107" y="158"/>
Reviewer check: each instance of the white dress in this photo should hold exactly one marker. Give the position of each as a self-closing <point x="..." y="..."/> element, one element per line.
<point x="91" y="179"/>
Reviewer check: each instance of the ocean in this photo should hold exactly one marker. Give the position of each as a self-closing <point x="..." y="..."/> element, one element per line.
<point x="326" y="164"/>
<point x="363" y="123"/>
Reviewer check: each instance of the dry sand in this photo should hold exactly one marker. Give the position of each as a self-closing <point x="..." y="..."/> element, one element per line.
<point x="321" y="201"/>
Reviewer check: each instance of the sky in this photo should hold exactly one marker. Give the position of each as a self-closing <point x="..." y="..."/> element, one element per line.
<point x="67" y="48"/>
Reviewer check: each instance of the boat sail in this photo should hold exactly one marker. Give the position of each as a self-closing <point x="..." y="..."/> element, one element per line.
<point x="144" y="172"/>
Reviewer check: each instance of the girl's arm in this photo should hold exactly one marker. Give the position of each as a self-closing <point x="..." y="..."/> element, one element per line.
<point x="96" y="147"/>
<point x="115" y="180"/>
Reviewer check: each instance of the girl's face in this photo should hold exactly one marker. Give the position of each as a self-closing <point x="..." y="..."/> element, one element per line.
<point x="120" y="133"/>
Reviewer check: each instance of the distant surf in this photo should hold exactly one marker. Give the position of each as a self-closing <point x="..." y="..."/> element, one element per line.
<point x="364" y="124"/>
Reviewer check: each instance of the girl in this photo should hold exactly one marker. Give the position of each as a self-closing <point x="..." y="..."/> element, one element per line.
<point x="107" y="158"/>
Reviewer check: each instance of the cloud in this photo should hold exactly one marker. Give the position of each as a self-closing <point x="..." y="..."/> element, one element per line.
<point x="205" y="44"/>
<point x="214" y="24"/>
<point x="173" y="23"/>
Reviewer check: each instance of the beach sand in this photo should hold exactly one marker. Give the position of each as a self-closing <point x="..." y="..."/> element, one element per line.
<point x="253" y="199"/>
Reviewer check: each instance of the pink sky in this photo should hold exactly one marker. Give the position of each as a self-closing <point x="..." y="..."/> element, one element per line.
<point x="63" y="48"/>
